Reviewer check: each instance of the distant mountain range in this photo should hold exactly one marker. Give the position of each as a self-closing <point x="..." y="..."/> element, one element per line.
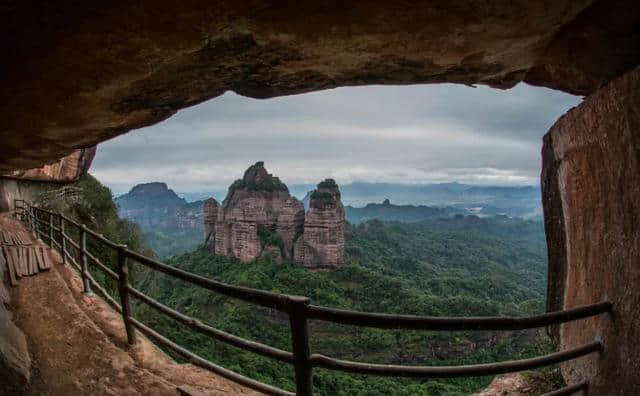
<point x="515" y="201"/>
<point x="171" y="224"/>
<point x="386" y="211"/>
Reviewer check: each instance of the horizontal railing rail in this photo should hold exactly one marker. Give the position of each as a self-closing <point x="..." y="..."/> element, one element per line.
<point x="299" y="310"/>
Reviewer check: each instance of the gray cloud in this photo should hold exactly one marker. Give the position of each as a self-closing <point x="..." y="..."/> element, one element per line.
<point x="378" y="133"/>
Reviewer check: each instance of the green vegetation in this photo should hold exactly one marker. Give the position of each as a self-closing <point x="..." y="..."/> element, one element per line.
<point x="328" y="183"/>
<point x="88" y="202"/>
<point x="256" y="178"/>
<point x="462" y="266"/>
<point x="270" y="238"/>
<point x="457" y="267"/>
<point x="270" y="184"/>
<point x="167" y="242"/>
<point x="322" y="196"/>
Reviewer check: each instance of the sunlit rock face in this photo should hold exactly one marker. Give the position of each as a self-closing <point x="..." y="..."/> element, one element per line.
<point x="26" y="184"/>
<point x="321" y="245"/>
<point x="66" y="170"/>
<point x="591" y="198"/>
<point x="258" y="212"/>
<point x="79" y="73"/>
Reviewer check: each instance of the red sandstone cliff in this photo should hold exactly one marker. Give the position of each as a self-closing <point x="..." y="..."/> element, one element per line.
<point x="68" y="169"/>
<point x="27" y="184"/>
<point x="259" y="217"/>
<point x="257" y="212"/>
<point x="321" y="245"/>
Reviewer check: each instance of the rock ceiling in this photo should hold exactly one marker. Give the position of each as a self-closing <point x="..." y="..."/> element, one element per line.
<point x="77" y="73"/>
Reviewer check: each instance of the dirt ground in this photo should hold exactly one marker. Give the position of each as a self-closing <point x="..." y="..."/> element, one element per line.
<point x="78" y="347"/>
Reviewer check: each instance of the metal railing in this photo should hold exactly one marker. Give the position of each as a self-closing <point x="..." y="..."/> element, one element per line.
<point x="299" y="311"/>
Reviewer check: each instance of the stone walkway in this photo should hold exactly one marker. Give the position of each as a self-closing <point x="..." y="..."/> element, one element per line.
<point x="78" y="347"/>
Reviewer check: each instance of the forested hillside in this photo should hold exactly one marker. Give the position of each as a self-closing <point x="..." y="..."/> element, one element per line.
<point x="460" y="266"/>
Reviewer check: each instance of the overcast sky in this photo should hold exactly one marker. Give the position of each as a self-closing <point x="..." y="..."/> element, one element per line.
<point x="406" y="134"/>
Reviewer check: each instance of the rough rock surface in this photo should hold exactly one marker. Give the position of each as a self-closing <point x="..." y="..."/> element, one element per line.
<point x="78" y="344"/>
<point x="210" y="209"/>
<point x="26" y="184"/>
<point x="66" y="170"/>
<point x="321" y="245"/>
<point x="258" y="209"/>
<point x="15" y="361"/>
<point x="12" y="189"/>
<point x="79" y="73"/>
<point x="591" y="190"/>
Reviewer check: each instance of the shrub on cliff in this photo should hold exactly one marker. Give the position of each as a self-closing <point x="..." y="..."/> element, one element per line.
<point x="322" y="196"/>
<point x="328" y="183"/>
<point x="89" y="202"/>
<point x="270" y="184"/>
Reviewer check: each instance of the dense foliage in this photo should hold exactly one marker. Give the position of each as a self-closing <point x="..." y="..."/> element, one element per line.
<point x="271" y="183"/>
<point x="460" y="266"/>
<point x="88" y="202"/>
<point x="322" y="196"/>
<point x="328" y="183"/>
<point x="167" y="242"/>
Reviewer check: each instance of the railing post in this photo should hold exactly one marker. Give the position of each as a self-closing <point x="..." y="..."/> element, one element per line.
<point x="84" y="268"/>
<point x="123" y="289"/>
<point x="300" y="344"/>
<point x="51" y="230"/>
<point x="63" y="241"/>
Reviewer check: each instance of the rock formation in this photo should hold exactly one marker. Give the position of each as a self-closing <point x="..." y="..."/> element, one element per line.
<point x="591" y="190"/>
<point x="66" y="170"/>
<point x="210" y="210"/>
<point x="259" y="218"/>
<point x="27" y="184"/>
<point x="321" y="245"/>
<point x="257" y="212"/>
<point x="80" y="73"/>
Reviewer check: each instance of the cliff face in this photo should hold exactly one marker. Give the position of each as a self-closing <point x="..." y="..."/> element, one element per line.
<point x="259" y="217"/>
<point x="591" y="185"/>
<point x="321" y="245"/>
<point x="66" y="170"/>
<point x="258" y="212"/>
<point x="27" y="184"/>
<point x="210" y="214"/>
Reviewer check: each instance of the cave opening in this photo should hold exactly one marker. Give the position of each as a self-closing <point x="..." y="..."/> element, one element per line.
<point x="441" y="192"/>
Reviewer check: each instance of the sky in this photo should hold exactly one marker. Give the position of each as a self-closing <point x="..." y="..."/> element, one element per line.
<point x="401" y="134"/>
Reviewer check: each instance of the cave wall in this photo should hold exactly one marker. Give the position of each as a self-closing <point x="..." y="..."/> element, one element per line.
<point x="27" y="184"/>
<point x="12" y="189"/>
<point x="591" y="199"/>
<point x="79" y="73"/>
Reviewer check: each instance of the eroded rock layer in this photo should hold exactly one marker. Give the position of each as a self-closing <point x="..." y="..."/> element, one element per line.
<point x="78" y="73"/>
<point x="591" y="190"/>
<point x="66" y="170"/>
<point x="258" y="212"/>
<point x="27" y="184"/>
<point x="321" y="245"/>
